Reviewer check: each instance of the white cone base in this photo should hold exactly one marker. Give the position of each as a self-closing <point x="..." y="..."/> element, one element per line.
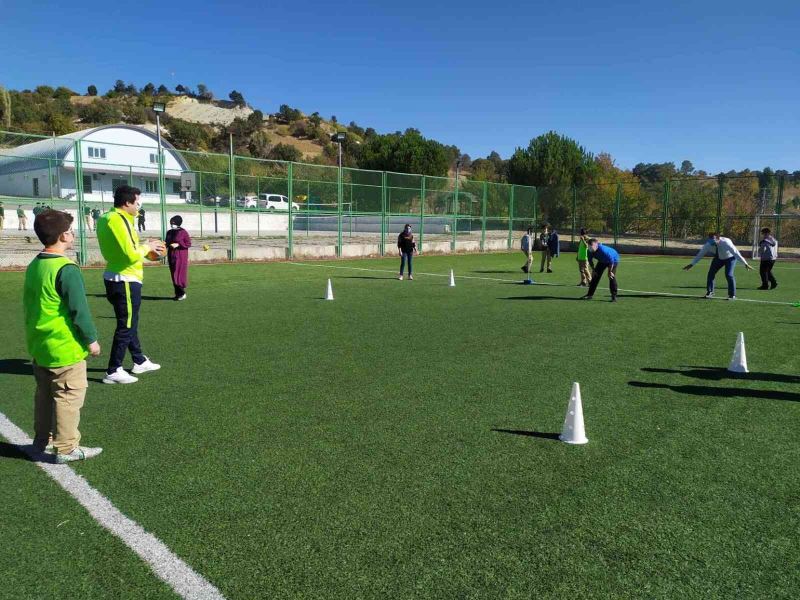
<point x="576" y="442"/>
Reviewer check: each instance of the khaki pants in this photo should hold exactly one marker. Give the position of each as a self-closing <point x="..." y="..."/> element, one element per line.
<point x="88" y="220"/>
<point x="528" y="261"/>
<point x="2" y="222"/>
<point x="60" y="392"/>
<point x="23" y="223"/>
<point x="585" y="271"/>
<point x="547" y="260"/>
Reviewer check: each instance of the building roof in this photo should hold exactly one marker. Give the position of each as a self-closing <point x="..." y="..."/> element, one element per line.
<point x="34" y="155"/>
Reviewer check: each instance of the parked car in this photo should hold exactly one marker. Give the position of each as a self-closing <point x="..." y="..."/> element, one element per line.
<point x="273" y="202"/>
<point x="247" y="202"/>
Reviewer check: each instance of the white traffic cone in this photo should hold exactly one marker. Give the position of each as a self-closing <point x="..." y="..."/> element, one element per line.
<point x="573" y="431"/>
<point x="452" y="279"/>
<point x="739" y="358"/>
<point x="329" y="295"/>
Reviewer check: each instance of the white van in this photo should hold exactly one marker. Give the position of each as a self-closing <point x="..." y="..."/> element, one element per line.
<point x="276" y="202"/>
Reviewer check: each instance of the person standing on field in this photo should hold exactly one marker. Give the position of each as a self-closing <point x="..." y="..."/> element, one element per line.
<point x="607" y="260"/>
<point x="768" y="251"/>
<point x="124" y="255"/>
<point x="22" y="220"/>
<point x="583" y="259"/>
<point x="95" y="216"/>
<point x="407" y="247"/>
<point x="178" y="243"/>
<point x="526" y="245"/>
<point x="725" y="255"/>
<point x="87" y="217"/>
<point x="2" y="216"/>
<point x="140" y="219"/>
<point x="60" y="335"/>
<point x="544" y="244"/>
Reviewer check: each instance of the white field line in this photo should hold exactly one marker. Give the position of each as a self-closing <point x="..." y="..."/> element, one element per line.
<point x="328" y="266"/>
<point x="162" y="561"/>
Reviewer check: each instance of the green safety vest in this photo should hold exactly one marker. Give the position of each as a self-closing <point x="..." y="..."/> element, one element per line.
<point x="49" y="331"/>
<point x="583" y="251"/>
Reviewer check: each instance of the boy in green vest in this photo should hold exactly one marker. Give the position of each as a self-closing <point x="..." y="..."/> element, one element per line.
<point x="59" y="334"/>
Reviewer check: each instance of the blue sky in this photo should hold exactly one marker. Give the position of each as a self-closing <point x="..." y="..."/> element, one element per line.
<point x="717" y="83"/>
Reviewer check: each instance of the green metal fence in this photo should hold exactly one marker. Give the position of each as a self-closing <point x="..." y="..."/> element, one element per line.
<point x="241" y="201"/>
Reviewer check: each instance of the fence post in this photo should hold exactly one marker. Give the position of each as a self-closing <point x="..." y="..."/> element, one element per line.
<point x="200" y="198"/>
<point x="483" y="217"/>
<point x="779" y="206"/>
<point x="162" y="195"/>
<point x="339" y="200"/>
<point x="383" y="213"/>
<point x="535" y="206"/>
<point x="665" y="217"/>
<point x="290" y="193"/>
<point x="421" y="212"/>
<point x="720" y="195"/>
<point x="455" y="217"/>
<point x="232" y="197"/>
<point x="82" y="259"/>
<point x="511" y="217"/>
<point x="574" y="212"/>
<point x="617" y="202"/>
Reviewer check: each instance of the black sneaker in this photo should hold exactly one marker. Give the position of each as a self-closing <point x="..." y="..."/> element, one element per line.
<point x="613" y="298"/>
<point x="586" y="297"/>
<point x="774" y="285"/>
<point x="762" y="287"/>
<point x="549" y="270"/>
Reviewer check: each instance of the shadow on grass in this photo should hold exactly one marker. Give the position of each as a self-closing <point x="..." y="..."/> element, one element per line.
<point x="659" y="296"/>
<point x="537" y="434"/>
<point x="719" y="392"/>
<point x="497" y="272"/>
<point x="16" y="366"/>
<point x="568" y="298"/>
<point x="143" y="297"/>
<point x="718" y="374"/>
<point x="363" y="277"/>
<point x="15" y="451"/>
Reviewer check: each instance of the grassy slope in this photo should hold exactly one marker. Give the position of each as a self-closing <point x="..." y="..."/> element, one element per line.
<point x="296" y="448"/>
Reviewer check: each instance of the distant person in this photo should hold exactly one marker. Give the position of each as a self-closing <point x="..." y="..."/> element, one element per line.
<point x="725" y="255"/>
<point x="407" y="247"/>
<point x="178" y="244"/>
<point x="768" y="252"/>
<point x="544" y="244"/>
<point x="124" y="255"/>
<point x="140" y="216"/>
<point x="553" y="248"/>
<point x="526" y="245"/>
<point x="607" y="260"/>
<point x="22" y="220"/>
<point x="36" y="210"/>
<point x="583" y="259"/>
<point x="87" y="217"/>
<point x="95" y="216"/>
<point x="2" y="216"/>
<point x="60" y="335"/>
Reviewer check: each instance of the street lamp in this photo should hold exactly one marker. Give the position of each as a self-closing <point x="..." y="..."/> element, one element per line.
<point x="158" y="108"/>
<point x="339" y="138"/>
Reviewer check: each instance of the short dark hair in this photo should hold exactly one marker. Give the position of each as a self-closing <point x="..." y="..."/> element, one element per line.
<point x="592" y="241"/>
<point x="766" y="230"/>
<point x="125" y="194"/>
<point x="177" y="220"/>
<point x="530" y="229"/>
<point x="50" y="224"/>
<point x="713" y="233"/>
<point x="583" y="231"/>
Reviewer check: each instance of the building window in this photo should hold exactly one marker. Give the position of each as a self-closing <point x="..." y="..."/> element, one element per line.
<point x="96" y="152"/>
<point x="35" y="186"/>
<point x="176" y="187"/>
<point x="150" y="186"/>
<point x="115" y="183"/>
<point x="152" y="159"/>
<point x="87" y="184"/>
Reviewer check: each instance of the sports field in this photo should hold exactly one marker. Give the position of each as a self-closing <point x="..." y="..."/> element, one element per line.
<point x="400" y="441"/>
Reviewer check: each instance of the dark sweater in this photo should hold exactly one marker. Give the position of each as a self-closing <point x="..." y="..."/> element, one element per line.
<point x="406" y="243"/>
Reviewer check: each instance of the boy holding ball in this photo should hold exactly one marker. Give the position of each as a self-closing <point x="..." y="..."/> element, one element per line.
<point x="119" y="244"/>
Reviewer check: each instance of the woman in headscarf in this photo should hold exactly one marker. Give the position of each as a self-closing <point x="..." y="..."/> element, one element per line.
<point x="178" y="244"/>
<point x="407" y="246"/>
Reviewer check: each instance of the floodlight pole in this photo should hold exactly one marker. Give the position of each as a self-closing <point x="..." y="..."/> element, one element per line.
<point x="162" y="197"/>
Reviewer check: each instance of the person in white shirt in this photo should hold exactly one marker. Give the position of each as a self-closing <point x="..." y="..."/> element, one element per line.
<point x="526" y="245"/>
<point x="725" y="256"/>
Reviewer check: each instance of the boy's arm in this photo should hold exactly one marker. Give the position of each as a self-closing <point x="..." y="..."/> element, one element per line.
<point x="69" y="285"/>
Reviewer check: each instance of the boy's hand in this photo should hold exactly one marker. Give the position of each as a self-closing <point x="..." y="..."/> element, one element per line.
<point x="748" y="267"/>
<point x="174" y="245"/>
<point x="94" y="349"/>
<point x="687" y="267"/>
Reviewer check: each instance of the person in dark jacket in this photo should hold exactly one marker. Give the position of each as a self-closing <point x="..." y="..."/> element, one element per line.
<point x="553" y="248"/>
<point x="768" y="251"/>
<point x="544" y="244"/>
<point x="178" y="244"/>
<point x="407" y="247"/>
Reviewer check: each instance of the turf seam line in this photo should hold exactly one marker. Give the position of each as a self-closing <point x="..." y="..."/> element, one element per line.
<point x="299" y="264"/>
<point x="166" y="565"/>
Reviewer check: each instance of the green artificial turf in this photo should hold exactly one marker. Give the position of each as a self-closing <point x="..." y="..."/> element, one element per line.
<point x="398" y="442"/>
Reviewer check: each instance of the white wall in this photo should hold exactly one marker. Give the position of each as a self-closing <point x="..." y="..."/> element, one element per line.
<point x="21" y="184"/>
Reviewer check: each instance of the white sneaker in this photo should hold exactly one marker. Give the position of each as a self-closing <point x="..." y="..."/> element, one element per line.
<point x="179" y="298"/>
<point x="145" y="367"/>
<point x="400" y="278"/>
<point x="731" y="297"/>
<point x="411" y="278"/>
<point x="119" y="376"/>
<point x="79" y="453"/>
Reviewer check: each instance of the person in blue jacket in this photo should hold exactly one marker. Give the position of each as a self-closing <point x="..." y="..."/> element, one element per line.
<point x="553" y="247"/>
<point x="607" y="260"/>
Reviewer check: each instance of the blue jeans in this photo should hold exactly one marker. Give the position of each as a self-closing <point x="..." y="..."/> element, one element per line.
<point x="716" y="265"/>
<point x="405" y="256"/>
